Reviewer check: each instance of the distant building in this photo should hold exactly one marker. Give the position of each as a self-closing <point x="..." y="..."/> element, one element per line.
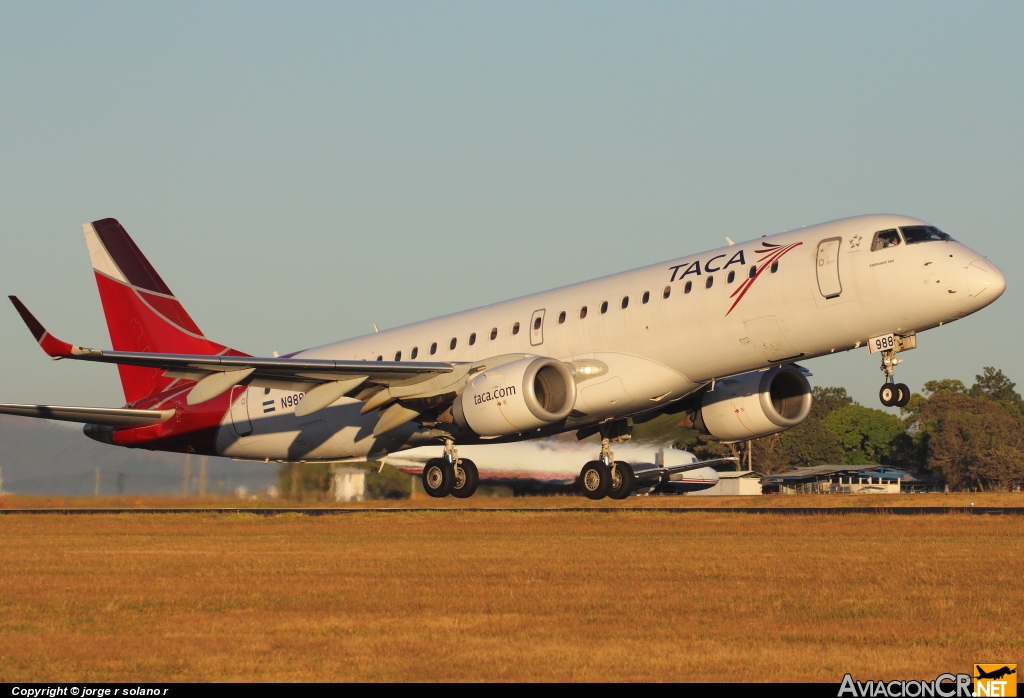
<point x="731" y="482"/>
<point x="348" y="484"/>
<point x="848" y="479"/>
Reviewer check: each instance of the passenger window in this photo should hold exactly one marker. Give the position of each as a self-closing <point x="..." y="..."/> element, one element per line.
<point x="753" y="271"/>
<point x="398" y="356"/>
<point x="583" y="312"/>
<point x="625" y="302"/>
<point x="775" y="267"/>
<point x="604" y="307"/>
<point x="433" y="348"/>
<point x="414" y="353"/>
<point x="472" y="339"/>
<point x="451" y="345"/>
<point x="732" y="277"/>
<point x="646" y="297"/>
<point x="667" y="292"/>
<point x="710" y="282"/>
<point x="687" y="287"/>
<point x="561" y="317"/>
<point x="494" y="333"/>
<point x="380" y="358"/>
<point x="536" y="323"/>
<point x="515" y="328"/>
<point x="885" y="239"/>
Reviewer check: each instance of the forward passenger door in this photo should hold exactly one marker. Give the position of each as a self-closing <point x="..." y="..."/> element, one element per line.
<point x="829" y="283"/>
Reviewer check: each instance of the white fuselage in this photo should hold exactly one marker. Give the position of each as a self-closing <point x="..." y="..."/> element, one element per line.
<point x="829" y="292"/>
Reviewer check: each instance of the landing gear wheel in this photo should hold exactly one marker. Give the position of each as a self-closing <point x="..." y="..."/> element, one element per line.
<point x="438" y="477"/>
<point x="595" y="480"/>
<point x="467" y="479"/>
<point x="888" y="394"/>
<point x="904" y="395"/>
<point x="623" y="481"/>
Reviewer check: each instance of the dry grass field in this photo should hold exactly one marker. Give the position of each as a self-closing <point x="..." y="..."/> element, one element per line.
<point x="506" y="596"/>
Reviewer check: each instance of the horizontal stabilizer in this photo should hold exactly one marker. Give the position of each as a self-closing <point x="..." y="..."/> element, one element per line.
<point x="106" y="416"/>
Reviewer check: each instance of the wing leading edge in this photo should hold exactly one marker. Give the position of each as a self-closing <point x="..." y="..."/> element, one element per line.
<point x="217" y="374"/>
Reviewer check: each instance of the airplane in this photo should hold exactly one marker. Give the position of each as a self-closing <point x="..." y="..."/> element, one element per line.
<point x="711" y="337"/>
<point x="549" y="465"/>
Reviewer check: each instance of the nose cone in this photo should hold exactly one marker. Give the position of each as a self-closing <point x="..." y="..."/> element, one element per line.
<point x="985" y="282"/>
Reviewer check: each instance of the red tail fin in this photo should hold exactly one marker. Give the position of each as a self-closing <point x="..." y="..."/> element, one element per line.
<point x="142" y="314"/>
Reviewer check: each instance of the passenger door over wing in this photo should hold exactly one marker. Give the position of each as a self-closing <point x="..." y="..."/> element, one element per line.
<point x="537" y="328"/>
<point x="828" y="268"/>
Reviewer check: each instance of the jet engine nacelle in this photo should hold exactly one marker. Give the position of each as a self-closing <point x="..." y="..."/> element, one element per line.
<point x="756" y="404"/>
<point x="517" y="396"/>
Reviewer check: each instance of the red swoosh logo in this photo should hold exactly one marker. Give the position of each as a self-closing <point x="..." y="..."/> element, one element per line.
<point x="771" y="254"/>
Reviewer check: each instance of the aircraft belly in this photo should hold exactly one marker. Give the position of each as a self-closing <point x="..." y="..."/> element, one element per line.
<point x="632" y="384"/>
<point x="333" y="433"/>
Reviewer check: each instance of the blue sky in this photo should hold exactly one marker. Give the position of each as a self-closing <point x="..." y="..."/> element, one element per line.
<point x="297" y="172"/>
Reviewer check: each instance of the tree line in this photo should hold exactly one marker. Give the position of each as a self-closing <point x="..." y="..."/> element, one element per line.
<point x="972" y="437"/>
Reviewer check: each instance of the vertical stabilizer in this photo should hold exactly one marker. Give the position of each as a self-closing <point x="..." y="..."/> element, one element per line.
<point x="141" y="311"/>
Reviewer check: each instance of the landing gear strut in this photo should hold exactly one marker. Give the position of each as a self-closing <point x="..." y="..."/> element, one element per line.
<point x="467" y="478"/>
<point x="892" y="394"/>
<point x="605" y="477"/>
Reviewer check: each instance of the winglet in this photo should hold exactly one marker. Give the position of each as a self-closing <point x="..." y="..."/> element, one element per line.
<point x="50" y="344"/>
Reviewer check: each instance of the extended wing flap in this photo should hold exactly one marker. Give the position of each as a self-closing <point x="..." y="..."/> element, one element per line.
<point x="106" y="416"/>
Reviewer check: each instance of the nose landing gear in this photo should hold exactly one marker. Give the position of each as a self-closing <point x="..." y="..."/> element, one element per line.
<point x="892" y="394"/>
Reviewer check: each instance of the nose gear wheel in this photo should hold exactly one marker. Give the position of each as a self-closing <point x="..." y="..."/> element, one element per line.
<point x="894" y="395"/>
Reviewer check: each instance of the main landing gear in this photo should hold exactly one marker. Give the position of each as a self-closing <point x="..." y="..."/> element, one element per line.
<point x="607" y="477"/>
<point x="892" y="394"/>
<point x="450" y="475"/>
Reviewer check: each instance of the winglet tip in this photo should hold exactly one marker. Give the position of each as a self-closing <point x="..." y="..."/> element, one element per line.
<point x="34" y="326"/>
<point x="50" y="344"/>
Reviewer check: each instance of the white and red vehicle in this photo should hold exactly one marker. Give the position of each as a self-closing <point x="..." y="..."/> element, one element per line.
<point x="711" y="337"/>
<point x="553" y="465"/>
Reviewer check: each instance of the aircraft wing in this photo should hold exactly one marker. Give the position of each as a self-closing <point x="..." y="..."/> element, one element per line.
<point x="315" y="370"/>
<point x="217" y="374"/>
<point x="107" y="416"/>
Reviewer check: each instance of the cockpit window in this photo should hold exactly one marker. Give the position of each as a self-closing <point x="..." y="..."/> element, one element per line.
<point x="923" y="233"/>
<point x="885" y="239"/>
